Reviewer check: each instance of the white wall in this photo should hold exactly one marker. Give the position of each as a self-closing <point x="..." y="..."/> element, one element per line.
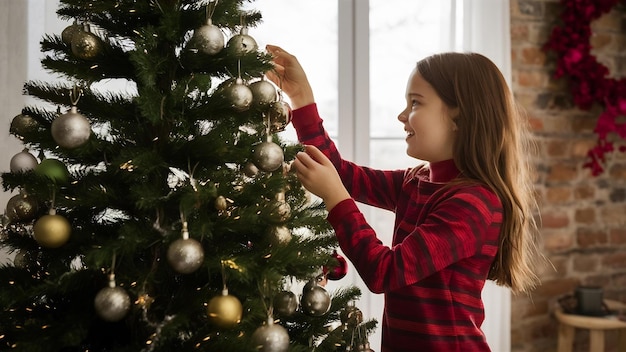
<point x="22" y="25"/>
<point x="13" y="68"/>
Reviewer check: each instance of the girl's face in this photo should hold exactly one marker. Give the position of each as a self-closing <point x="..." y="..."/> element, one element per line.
<point x="427" y="122"/>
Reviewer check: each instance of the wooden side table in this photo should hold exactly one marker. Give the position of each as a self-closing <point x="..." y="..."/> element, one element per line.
<point x="568" y="323"/>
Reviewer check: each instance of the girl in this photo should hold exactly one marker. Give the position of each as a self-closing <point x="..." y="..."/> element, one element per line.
<point x="461" y="218"/>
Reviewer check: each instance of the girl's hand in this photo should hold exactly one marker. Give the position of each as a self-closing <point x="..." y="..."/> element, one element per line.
<point x="290" y="77"/>
<point x="319" y="176"/>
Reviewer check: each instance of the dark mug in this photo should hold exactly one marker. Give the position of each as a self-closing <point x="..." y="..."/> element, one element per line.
<point x="590" y="301"/>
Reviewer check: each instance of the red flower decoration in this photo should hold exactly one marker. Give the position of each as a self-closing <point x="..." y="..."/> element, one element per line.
<point x="588" y="79"/>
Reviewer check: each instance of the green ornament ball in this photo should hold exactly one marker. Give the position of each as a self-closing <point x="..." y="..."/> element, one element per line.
<point x="53" y="169"/>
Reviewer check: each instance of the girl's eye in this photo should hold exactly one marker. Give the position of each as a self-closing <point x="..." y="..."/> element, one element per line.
<point x="414" y="103"/>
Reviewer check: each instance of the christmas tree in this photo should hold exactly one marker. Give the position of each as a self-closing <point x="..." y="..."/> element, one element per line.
<point x="164" y="216"/>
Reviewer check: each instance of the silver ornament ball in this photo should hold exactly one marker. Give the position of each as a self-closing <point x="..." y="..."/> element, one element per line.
<point x="250" y="169"/>
<point x="71" y="130"/>
<point x="207" y="39"/>
<point x="315" y="299"/>
<point x="268" y="156"/>
<point x="263" y="92"/>
<point x="112" y="303"/>
<point x="285" y="303"/>
<point x="185" y="255"/>
<point x="241" y="44"/>
<point x="23" y="161"/>
<point x="238" y="95"/>
<point x="271" y="338"/>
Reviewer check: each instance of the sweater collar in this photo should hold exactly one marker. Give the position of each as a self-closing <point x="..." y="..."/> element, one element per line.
<point x="443" y="171"/>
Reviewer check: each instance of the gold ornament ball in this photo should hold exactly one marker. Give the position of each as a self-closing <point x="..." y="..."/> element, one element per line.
<point x="69" y="32"/>
<point x="22" y="259"/>
<point x="279" y="235"/>
<point x="351" y="316"/>
<point x="365" y="348"/>
<point x="221" y="203"/>
<point x="279" y="211"/>
<point x="52" y="231"/>
<point x="280" y="115"/>
<point x="225" y="311"/>
<point x="22" y="207"/>
<point x="86" y="45"/>
<point x="22" y="124"/>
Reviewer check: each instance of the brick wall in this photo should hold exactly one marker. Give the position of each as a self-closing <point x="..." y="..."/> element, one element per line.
<point x="583" y="217"/>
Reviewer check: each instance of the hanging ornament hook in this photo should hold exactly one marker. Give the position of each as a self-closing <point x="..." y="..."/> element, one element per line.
<point x="192" y="181"/>
<point x="264" y="290"/>
<point x="210" y="9"/>
<point x="268" y="128"/>
<point x="223" y="269"/>
<point x="75" y="93"/>
<point x="185" y="229"/>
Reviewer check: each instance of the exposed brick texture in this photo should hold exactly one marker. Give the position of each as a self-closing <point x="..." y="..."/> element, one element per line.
<point x="583" y="217"/>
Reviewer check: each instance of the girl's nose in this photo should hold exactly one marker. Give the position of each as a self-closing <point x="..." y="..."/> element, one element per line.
<point x="402" y="117"/>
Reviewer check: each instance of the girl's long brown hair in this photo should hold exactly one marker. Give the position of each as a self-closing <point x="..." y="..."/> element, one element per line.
<point x="493" y="146"/>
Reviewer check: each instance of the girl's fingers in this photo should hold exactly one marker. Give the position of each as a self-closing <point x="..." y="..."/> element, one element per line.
<point x="305" y="161"/>
<point x="316" y="154"/>
<point x="276" y="74"/>
<point x="274" y="49"/>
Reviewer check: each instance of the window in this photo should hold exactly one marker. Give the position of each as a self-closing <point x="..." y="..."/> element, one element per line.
<point x="314" y="42"/>
<point x="367" y="50"/>
<point x="358" y="55"/>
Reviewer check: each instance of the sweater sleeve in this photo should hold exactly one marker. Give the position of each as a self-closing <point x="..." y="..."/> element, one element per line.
<point x="454" y="230"/>
<point x="366" y="185"/>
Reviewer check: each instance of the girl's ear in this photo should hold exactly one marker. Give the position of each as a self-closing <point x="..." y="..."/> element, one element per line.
<point x="454" y="115"/>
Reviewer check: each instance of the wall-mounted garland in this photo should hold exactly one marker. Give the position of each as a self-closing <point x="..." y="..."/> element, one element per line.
<point x="589" y="80"/>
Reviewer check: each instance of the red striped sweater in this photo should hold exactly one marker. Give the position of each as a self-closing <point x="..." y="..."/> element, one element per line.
<point x="444" y="241"/>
